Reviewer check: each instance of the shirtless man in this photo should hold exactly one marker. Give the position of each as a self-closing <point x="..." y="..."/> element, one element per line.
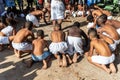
<point x="38" y="53"/>
<point x="22" y="41"/>
<point x="103" y="54"/>
<point x="32" y="16"/>
<point x="75" y="43"/>
<point x="58" y="46"/>
<point x="10" y="29"/>
<point x="113" y="23"/>
<point x="108" y="30"/>
<point x="7" y="33"/>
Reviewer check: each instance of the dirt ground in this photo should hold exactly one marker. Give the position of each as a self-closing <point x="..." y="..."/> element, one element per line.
<point x="12" y="68"/>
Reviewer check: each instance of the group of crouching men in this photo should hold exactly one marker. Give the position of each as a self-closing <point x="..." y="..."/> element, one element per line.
<point x="67" y="48"/>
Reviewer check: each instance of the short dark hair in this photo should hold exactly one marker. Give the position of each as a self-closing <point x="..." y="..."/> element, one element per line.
<point x="104" y="17"/>
<point x="40" y="33"/>
<point x="93" y="31"/>
<point x="90" y="18"/>
<point x="76" y="24"/>
<point x="29" y="25"/>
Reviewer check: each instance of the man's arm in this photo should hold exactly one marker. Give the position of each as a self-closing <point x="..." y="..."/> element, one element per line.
<point x="91" y="49"/>
<point x="85" y="37"/>
<point x="43" y="16"/>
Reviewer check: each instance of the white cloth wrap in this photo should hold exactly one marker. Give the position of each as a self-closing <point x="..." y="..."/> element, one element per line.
<point x="90" y="25"/>
<point x="33" y="19"/>
<point x="4" y="40"/>
<point x="57" y="10"/>
<point x="118" y="30"/>
<point x="22" y="46"/>
<point x="75" y="45"/>
<point x="102" y="59"/>
<point x="109" y="17"/>
<point x="7" y="30"/>
<point x="60" y="47"/>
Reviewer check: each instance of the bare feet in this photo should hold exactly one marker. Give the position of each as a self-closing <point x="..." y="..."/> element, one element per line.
<point x="17" y="53"/>
<point x="75" y="57"/>
<point x="69" y="59"/>
<point x="64" y="61"/>
<point x="44" y="64"/>
<point x="106" y="69"/>
<point x="59" y="61"/>
<point x="112" y="68"/>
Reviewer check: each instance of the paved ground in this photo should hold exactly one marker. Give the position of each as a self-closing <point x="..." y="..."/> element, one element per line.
<point x="12" y="68"/>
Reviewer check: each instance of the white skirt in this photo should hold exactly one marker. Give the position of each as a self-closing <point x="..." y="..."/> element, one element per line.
<point x="33" y="19"/>
<point x="75" y="45"/>
<point x="22" y="46"/>
<point x="102" y="59"/>
<point x="60" y="47"/>
<point x="118" y="30"/>
<point x="4" y="40"/>
<point x="57" y="10"/>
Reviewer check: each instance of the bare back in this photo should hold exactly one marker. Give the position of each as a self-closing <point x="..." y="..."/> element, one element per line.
<point x="101" y="47"/>
<point x="114" y="23"/>
<point x="22" y="35"/>
<point x="74" y="31"/>
<point x="110" y="31"/>
<point x="57" y="36"/>
<point x="38" y="46"/>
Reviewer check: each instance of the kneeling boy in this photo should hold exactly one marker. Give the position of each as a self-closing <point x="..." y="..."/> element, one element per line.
<point x="103" y="55"/>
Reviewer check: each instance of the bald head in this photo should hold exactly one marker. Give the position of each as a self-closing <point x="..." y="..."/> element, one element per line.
<point x="29" y="25"/>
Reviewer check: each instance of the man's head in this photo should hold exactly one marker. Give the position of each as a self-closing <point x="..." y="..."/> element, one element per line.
<point x="40" y="33"/>
<point x="92" y="33"/>
<point x="56" y="27"/>
<point x="76" y="24"/>
<point x="100" y="21"/>
<point x="104" y="17"/>
<point x="90" y="18"/>
<point x="29" y="25"/>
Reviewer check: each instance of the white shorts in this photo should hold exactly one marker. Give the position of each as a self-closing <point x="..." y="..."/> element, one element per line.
<point x="80" y="13"/>
<point x="22" y="46"/>
<point x="90" y="25"/>
<point x="57" y="10"/>
<point x="109" y="17"/>
<point x="117" y="42"/>
<point x="58" y="47"/>
<point x="118" y="30"/>
<point x="75" y="45"/>
<point x="102" y="59"/>
<point x="33" y="19"/>
<point x="4" y="40"/>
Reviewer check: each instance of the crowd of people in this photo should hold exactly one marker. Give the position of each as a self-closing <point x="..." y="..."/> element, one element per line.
<point x="102" y="40"/>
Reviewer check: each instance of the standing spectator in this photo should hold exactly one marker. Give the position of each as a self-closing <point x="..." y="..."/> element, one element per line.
<point x="20" y="4"/>
<point x="57" y="12"/>
<point x="2" y="8"/>
<point x="30" y="3"/>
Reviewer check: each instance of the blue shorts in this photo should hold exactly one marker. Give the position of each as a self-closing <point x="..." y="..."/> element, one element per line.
<point x="41" y="57"/>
